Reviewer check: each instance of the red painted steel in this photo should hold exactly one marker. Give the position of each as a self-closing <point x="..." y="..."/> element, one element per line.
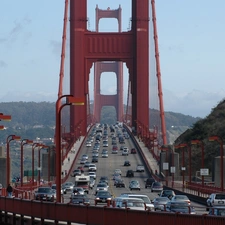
<point x="90" y="47"/>
<point x="61" y="75"/>
<point x="161" y="105"/>
<point x="94" y="215"/>
<point x="100" y="67"/>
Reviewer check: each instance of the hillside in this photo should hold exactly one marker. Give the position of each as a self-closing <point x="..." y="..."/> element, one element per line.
<point x="32" y="119"/>
<point x="212" y="125"/>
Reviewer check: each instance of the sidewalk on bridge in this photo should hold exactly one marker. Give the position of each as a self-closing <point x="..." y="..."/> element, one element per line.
<point x="68" y="161"/>
<point x="149" y="157"/>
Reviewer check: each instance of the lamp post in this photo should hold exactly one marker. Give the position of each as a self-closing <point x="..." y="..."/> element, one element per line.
<point x="33" y="147"/>
<point x="8" y="140"/>
<point x="220" y="141"/>
<point x="23" y="142"/>
<point x="69" y="101"/>
<point x="182" y="146"/>
<point x="200" y="143"/>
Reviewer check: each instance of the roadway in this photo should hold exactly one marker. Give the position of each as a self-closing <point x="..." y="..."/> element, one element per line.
<point x="106" y="167"/>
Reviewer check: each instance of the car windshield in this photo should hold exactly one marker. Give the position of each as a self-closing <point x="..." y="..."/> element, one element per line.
<point x="179" y="206"/>
<point x="220" y="196"/>
<point x="44" y="190"/>
<point x="105" y="194"/>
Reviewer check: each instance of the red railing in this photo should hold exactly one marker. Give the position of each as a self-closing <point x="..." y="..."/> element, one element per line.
<point x="55" y="212"/>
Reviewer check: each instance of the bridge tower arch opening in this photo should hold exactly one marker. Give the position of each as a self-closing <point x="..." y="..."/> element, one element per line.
<point x="130" y="47"/>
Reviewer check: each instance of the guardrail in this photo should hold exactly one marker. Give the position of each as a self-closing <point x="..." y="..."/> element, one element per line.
<point x="20" y="211"/>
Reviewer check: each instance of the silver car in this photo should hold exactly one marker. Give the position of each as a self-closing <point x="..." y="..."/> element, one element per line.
<point x="68" y="186"/>
<point x="134" y="185"/>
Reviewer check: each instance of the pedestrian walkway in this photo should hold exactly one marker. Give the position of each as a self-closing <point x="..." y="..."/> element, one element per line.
<point x="150" y="160"/>
<point x="69" y="160"/>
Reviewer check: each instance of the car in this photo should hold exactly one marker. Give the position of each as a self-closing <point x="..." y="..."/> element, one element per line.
<point x="104" y="179"/>
<point x="105" y="143"/>
<point x="160" y="203"/>
<point x="120" y="183"/>
<point x="78" y="190"/>
<point x="76" y="172"/>
<point x="156" y="186"/>
<point x="95" y="153"/>
<point x="217" y="211"/>
<point x="92" y="174"/>
<point x="88" y="144"/>
<point x="140" y="168"/>
<point x="83" y="161"/>
<point x="103" y="197"/>
<point x="101" y="187"/>
<point x="68" y="186"/>
<point x="118" y="171"/>
<point x="92" y="167"/>
<point x="130" y="173"/>
<point x="105" y="155"/>
<point x="45" y="194"/>
<point x="181" y="207"/>
<point x="124" y="202"/>
<point x="126" y="163"/>
<point x="85" y="156"/>
<point x="167" y="193"/>
<point x="116" y="176"/>
<point x="181" y="198"/>
<point x="80" y="199"/>
<point x="114" y="149"/>
<point x="133" y="151"/>
<point x="149" y="181"/>
<point x="125" y="152"/>
<point x="145" y="198"/>
<point x="94" y="159"/>
<point x="216" y="199"/>
<point x="134" y="185"/>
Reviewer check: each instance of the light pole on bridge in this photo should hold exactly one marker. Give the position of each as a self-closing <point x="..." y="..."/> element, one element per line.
<point x="70" y="100"/>
<point x="8" y="140"/>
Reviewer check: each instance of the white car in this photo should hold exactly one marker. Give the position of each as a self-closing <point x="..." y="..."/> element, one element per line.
<point x="92" y="167"/>
<point x="125" y="152"/>
<point x="88" y="144"/>
<point x="140" y="168"/>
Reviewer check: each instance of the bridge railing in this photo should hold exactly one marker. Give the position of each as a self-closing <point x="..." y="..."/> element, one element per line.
<point x="19" y="211"/>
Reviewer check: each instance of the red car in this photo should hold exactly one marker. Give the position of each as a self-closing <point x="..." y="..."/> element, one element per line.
<point x="133" y="151"/>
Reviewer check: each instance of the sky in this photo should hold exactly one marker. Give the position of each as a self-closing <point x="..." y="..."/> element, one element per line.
<point x="191" y="39"/>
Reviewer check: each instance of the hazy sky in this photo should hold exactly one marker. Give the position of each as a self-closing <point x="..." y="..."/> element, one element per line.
<point x="191" y="43"/>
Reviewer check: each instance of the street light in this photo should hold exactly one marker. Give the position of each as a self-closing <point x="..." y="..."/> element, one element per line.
<point x="220" y="141"/>
<point x="70" y="100"/>
<point x="201" y="144"/>
<point x="23" y="142"/>
<point x="33" y="147"/>
<point x="9" y="138"/>
<point x="183" y="167"/>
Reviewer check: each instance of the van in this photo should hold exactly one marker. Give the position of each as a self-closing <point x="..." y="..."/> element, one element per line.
<point x="145" y="198"/>
<point x="131" y="203"/>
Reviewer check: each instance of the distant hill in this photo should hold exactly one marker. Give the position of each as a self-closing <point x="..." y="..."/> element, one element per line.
<point x="37" y="119"/>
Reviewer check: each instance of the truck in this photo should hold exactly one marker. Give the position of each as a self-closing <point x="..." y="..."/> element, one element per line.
<point x="83" y="181"/>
